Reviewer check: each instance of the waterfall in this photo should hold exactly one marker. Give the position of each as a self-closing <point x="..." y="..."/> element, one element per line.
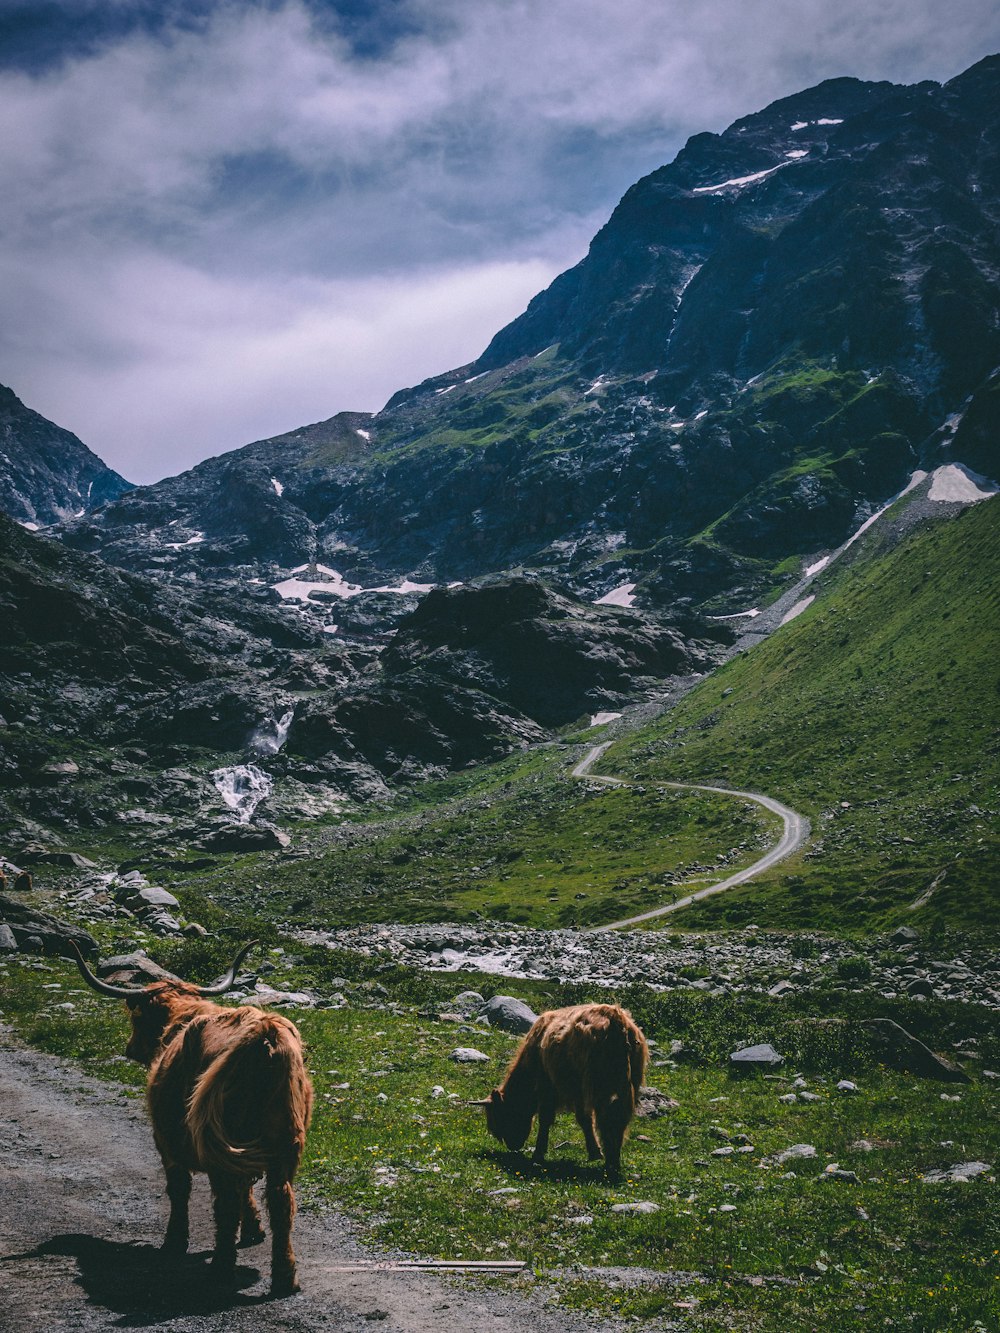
<point x="243" y="787"/>
<point x="271" y="736"/>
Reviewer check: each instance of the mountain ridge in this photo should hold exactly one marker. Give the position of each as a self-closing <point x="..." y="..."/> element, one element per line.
<point x="769" y="334"/>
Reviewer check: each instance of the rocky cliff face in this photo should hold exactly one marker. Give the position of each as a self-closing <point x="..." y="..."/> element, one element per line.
<point x="168" y="706"/>
<point x="47" y="475"/>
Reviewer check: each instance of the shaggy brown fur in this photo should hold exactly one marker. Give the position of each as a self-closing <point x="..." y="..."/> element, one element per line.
<point x="229" y="1095"/>
<point x="589" y="1059"/>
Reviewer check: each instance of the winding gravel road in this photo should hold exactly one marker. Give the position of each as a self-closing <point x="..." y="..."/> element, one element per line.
<point x="794" y="834"/>
<point x="82" y="1212"/>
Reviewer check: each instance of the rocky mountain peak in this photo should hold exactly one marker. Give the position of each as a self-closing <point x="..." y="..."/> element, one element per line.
<point x="47" y="474"/>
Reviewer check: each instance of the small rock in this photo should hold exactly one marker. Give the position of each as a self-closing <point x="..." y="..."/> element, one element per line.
<point x="781" y="989"/>
<point x="789" y="1097"/>
<point x="834" y="1172"/>
<point x="468" y="1055"/>
<point x="653" y="1104"/>
<point x="467" y="1003"/>
<point x="845" y="1085"/>
<point x="920" y="989"/>
<point x="795" y="1152"/>
<point x="644" y="1207"/>
<point x="962" y="1172"/>
<point x="904" y="935"/>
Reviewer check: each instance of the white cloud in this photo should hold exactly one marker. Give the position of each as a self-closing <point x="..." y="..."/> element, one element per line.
<point x="202" y="364"/>
<point x="183" y="212"/>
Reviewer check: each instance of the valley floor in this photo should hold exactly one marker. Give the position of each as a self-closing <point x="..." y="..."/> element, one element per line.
<point x="83" y="1213"/>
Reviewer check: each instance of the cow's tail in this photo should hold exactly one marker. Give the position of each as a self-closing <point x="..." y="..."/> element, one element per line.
<point x="636" y="1057"/>
<point x="252" y="1100"/>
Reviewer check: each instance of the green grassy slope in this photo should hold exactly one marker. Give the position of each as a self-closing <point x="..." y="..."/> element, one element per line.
<point x="519" y="841"/>
<point x="875" y="712"/>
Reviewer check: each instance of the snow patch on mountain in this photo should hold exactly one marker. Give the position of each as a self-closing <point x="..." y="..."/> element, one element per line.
<point x="954" y="482"/>
<point x="737" y="182"/>
<point x="622" y="596"/>
<point x="797" y="609"/>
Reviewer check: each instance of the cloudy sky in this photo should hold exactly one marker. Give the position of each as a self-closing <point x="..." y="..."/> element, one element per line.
<point x="221" y="219"/>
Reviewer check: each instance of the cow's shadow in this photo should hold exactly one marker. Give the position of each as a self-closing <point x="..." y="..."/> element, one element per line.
<point x="145" y="1286"/>
<point x="553" y="1168"/>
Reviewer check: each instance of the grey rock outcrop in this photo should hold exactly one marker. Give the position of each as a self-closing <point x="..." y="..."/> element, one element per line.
<point x="901" y="1050"/>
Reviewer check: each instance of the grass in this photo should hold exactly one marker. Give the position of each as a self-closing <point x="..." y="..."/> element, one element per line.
<point x="393" y="1142"/>
<point x="535" y="847"/>
<point x="875" y="712"/>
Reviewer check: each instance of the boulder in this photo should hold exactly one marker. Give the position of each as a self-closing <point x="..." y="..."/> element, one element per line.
<point x="467" y="1003"/>
<point x="37" y="932"/>
<point x="245" y="838"/>
<point x="755" y="1058"/>
<point x="509" y="1014"/>
<point x="8" y="943"/>
<point x="132" y="969"/>
<point x="153" y="896"/>
<point x="468" y="1055"/>
<point x="899" y="1049"/>
<point x="71" y="860"/>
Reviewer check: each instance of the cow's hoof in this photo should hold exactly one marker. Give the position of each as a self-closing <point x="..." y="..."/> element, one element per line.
<point x="251" y="1236"/>
<point x="284" y="1284"/>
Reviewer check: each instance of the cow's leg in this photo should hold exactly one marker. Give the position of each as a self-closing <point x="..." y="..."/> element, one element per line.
<point x="546" y="1115"/>
<point x="251" y="1231"/>
<point x="281" y="1210"/>
<point x="585" y="1119"/>
<point x="227" y="1203"/>
<point x="612" y="1121"/>
<point x="178" y="1192"/>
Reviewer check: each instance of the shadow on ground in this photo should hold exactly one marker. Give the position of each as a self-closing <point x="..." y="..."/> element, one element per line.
<point x="553" y="1168"/>
<point x="142" y="1284"/>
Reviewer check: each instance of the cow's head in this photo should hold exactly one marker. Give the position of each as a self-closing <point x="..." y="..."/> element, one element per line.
<point x="507" y="1121"/>
<point x="154" y="1008"/>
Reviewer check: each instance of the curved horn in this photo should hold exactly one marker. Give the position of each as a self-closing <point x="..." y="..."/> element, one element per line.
<point x="226" y="983"/>
<point x="103" y="987"/>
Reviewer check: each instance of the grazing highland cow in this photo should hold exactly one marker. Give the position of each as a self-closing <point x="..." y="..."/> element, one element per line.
<point x="229" y="1095"/>
<point x="589" y="1059"/>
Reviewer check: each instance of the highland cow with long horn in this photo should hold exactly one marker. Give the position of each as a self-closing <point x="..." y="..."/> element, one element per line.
<point x="228" y="1095"/>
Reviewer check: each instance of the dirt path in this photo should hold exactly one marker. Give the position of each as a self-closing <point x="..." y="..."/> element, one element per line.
<point x="82" y="1212"/>
<point x="794" y="834"/>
